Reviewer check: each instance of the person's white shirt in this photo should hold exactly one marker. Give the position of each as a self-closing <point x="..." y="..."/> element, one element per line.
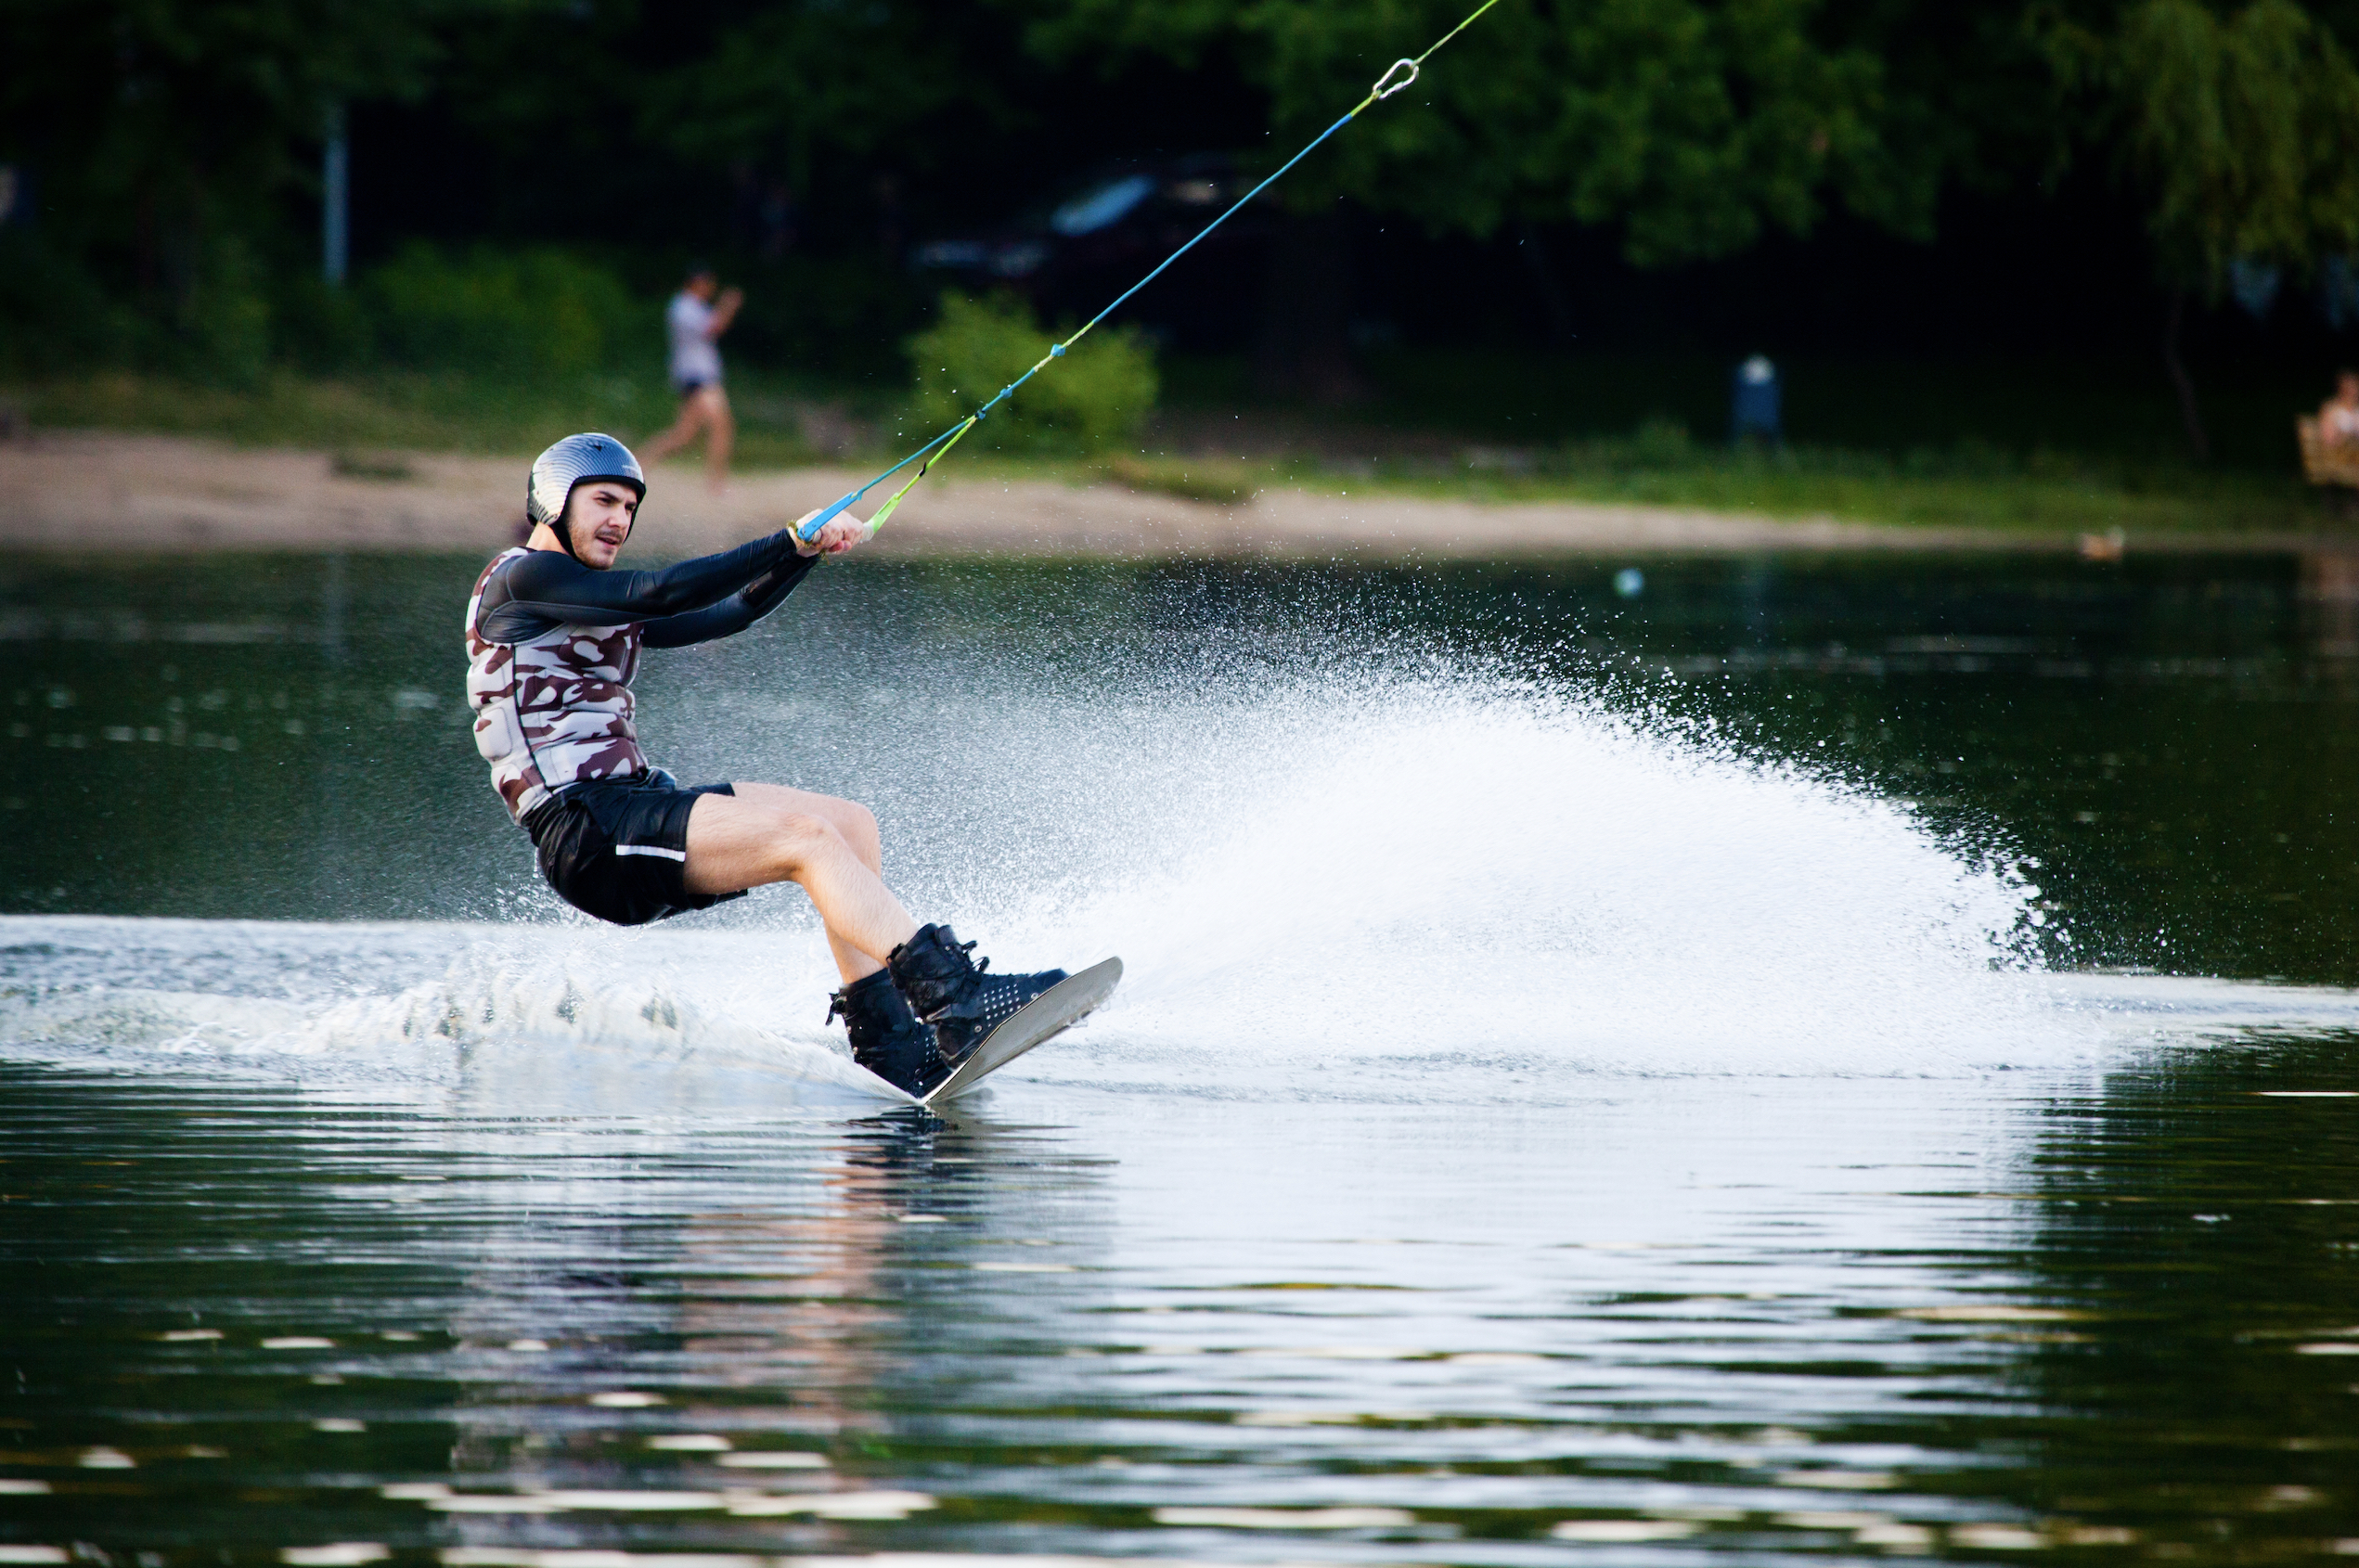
<point x="694" y="355"/>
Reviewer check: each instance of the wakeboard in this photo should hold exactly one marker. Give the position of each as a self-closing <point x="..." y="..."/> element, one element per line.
<point x="1050" y="1014"/>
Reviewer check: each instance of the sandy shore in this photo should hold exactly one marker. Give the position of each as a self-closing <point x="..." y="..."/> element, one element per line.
<point x="109" y="492"/>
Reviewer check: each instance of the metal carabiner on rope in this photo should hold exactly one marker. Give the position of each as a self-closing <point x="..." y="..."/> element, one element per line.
<point x="1380" y="91"/>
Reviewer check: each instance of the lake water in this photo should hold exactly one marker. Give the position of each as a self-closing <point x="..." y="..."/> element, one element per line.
<point x="1786" y="1058"/>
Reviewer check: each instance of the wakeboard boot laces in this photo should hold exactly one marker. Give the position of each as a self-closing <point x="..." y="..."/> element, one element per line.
<point x="956" y="995"/>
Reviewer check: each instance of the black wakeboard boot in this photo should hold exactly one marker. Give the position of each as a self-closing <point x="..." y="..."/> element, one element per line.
<point x="887" y="1039"/>
<point x="951" y="992"/>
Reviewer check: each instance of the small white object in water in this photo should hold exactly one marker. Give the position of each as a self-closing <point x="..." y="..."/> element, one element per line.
<point x="1288" y="1518"/>
<point x="1622" y="1529"/>
<point x="526" y="1557"/>
<point x="33" y="1554"/>
<point x="626" y="1399"/>
<point x="834" y="1505"/>
<point x="188" y="1336"/>
<point x="1996" y="1537"/>
<point x="11" y="1487"/>
<point x="339" y="1423"/>
<point x="107" y="1458"/>
<point x="1828" y="1519"/>
<point x="341" y="1554"/>
<point x="690" y="1443"/>
<point x="775" y="1459"/>
<point x="1895" y="1535"/>
<point x="298" y="1341"/>
<point x="634" y="1502"/>
<point x="528" y="1346"/>
<point x="1838" y="1480"/>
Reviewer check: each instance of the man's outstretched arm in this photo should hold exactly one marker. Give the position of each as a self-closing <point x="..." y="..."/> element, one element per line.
<point x="734" y="613"/>
<point x="548" y="589"/>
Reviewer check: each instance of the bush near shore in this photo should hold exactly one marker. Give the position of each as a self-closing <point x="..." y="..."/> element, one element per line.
<point x="1095" y="398"/>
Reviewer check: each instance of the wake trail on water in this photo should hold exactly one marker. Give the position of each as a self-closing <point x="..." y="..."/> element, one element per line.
<point x="544" y="1017"/>
<point x="1353" y="884"/>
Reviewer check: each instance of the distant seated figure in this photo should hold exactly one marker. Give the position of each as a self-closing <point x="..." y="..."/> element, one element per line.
<point x="2330" y="442"/>
<point x="2339" y="416"/>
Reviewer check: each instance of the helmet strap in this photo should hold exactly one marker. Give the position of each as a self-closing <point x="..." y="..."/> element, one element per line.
<point x="562" y="526"/>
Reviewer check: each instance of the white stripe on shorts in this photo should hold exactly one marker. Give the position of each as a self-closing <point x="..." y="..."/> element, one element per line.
<point x="678" y="855"/>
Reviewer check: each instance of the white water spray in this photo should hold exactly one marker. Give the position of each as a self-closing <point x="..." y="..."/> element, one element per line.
<point x="1439" y="887"/>
<point x="1445" y="888"/>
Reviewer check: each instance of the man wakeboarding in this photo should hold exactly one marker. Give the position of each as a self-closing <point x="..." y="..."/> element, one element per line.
<point x="553" y="639"/>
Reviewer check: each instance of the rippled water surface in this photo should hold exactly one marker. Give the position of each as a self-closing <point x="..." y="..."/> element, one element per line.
<point x="1807" y="1060"/>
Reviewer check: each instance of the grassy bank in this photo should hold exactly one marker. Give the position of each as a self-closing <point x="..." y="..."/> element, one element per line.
<point x="1964" y="488"/>
<point x="1417" y="436"/>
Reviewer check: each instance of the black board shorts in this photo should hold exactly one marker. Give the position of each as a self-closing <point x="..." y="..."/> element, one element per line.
<point x="617" y="848"/>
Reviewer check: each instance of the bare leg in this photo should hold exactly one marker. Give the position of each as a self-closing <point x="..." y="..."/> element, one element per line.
<point x="683" y="431"/>
<point x="828" y="847"/>
<point x="720" y="436"/>
<point x="858" y="827"/>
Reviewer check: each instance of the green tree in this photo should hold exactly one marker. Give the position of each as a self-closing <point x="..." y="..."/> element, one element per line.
<point x="787" y="86"/>
<point x="2240" y="132"/>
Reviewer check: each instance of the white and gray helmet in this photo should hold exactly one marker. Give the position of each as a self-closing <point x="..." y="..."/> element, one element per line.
<point x="577" y="459"/>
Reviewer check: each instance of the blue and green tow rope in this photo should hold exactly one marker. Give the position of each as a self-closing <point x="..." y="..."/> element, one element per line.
<point x="936" y="450"/>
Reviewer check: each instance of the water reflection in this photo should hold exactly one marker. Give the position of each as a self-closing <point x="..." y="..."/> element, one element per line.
<point x="2194" y="1229"/>
<point x="1984" y="1324"/>
<point x="2330" y="592"/>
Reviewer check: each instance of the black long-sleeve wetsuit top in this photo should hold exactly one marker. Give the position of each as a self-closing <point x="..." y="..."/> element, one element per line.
<point x="690" y="601"/>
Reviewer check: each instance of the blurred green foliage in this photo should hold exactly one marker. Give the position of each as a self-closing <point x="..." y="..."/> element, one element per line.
<point x="2242" y="130"/>
<point x="168" y="137"/>
<point x="525" y="315"/>
<point x="174" y="147"/>
<point x="504" y="314"/>
<point x="1691" y="125"/>
<point x="1094" y="398"/>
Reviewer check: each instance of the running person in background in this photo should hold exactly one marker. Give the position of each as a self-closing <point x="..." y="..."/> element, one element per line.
<point x="697" y="317"/>
<point x="554" y="638"/>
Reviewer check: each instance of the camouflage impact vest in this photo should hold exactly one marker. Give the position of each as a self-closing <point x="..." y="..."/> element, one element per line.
<point x="552" y="710"/>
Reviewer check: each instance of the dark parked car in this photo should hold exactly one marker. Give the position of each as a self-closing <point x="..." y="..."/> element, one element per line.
<point x="1111" y="229"/>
